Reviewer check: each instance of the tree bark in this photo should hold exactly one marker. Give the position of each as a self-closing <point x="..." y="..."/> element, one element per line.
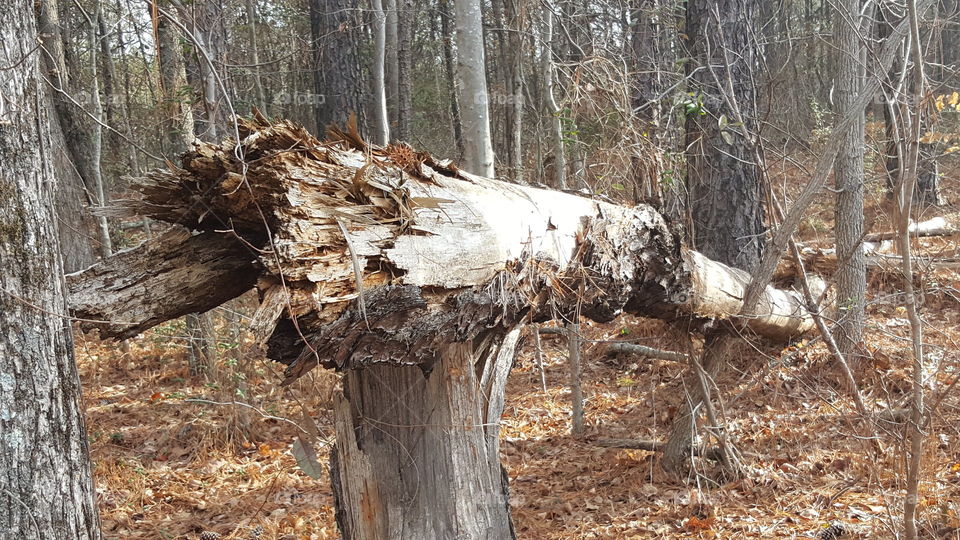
<point x="380" y="120"/>
<point x="338" y="79"/>
<point x="176" y="113"/>
<point x="46" y="490"/>
<point x="77" y="225"/>
<point x="252" y="21"/>
<point x="96" y="138"/>
<point x="390" y="76"/>
<point x="576" y="386"/>
<point x="514" y="15"/>
<point x="167" y="277"/>
<point x="723" y="177"/>
<point x="848" y="177"/>
<point x="897" y="86"/>
<point x="649" y="65"/>
<point x="553" y="110"/>
<point x="473" y="97"/>
<point x="449" y="64"/>
<point x="396" y="458"/>
<point x="493" y="221"/>
<point x="405" y="29"/>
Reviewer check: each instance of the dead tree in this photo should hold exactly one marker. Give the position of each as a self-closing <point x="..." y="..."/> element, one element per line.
<point x="410" y="277"/>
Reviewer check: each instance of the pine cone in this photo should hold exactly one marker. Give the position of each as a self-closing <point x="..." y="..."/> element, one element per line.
<point x="832" y="532"/>
<point x="209" y="535"/>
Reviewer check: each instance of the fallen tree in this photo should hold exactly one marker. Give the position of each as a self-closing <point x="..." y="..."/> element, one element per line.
<point x="411" y="277"/>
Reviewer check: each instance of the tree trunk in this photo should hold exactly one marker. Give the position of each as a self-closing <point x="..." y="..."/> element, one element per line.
<point x="426" y="467"/>
<point x="46" y="490"/>
<point x="203" y="347"/>
<point x="515" y="18"/>
<point x="77" y="226"/>
<point x="576" y="387"/>
<point x="380" y="121"/>
<point x="474" y="100"/>
<point x="449" y="64"/>
<point x="338" y="79"/>
<point x="926" y="192"/>
<point x="648" y="85"/>
<point x="645" y="42"/>
<point x="252" y="21"/>
<point x="556" y="125"/>
<point x="390" y="75"/>
<point x="180" y="132"/>
<point x="209" y="27"/>
<point x="848" y="177"/>
<point x="723" y="176"/>
<point x="493" y="221"/>
<point x="405" y="27"/>
<point x="176" y="113"/>
<point x="96" y="138"/>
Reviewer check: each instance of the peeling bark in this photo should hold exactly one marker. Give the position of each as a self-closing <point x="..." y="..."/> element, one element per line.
<point x="426" y="467"/>
<point x="175" y="274"/>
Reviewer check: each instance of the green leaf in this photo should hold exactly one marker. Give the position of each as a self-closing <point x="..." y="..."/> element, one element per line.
<point x="307" y="458"/>
<point x="618" y="187"/>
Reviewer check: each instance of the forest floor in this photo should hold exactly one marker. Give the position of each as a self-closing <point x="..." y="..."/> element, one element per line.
<point x="174" y="457"/>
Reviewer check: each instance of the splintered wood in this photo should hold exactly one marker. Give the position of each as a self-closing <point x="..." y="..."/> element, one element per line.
<point x="366" y="254"/>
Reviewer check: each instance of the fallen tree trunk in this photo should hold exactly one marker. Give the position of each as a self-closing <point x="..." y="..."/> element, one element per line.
<point x="824" y="262"/>
<point x="404" y="272"/>
<point x="332" y="222"/>
<point x="937" y="226"/>
<point x="170" y="276"/>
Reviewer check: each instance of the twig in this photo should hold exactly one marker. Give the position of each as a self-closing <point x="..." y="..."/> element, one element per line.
<point x="247" y="405"/>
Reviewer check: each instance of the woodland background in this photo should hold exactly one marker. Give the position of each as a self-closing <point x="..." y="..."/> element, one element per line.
<point x="716" y="112"/>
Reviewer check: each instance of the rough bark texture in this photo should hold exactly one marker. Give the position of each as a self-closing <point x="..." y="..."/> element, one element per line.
<point x="404" y="71"/>
<point x="473" y="98"/>
<point x="74" y="221"/>
<point x="177" y="114"/>
<point x="46" y="490"/>
<point x="648" y="61"/>
<point x="77" y="227"/>
<point x="848" y="176"/>
<point x="426" y="467"/>
<point x="337" y="77"/>
<point x="723" y="177"/>
<point x="172" y="275"/>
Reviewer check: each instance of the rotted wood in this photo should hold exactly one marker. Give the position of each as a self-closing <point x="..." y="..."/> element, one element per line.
<point x="386" y="254"/>
<point x="396" y="457"/>
<point x="170" y="276"/>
